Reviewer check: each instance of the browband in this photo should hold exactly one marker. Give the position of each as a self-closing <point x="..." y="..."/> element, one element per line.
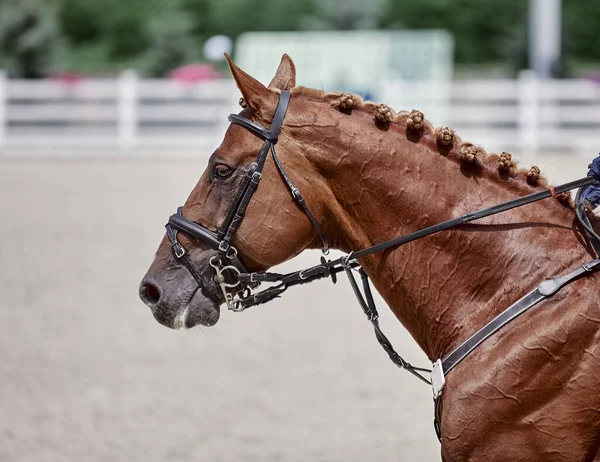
<point x="272" y="133"/>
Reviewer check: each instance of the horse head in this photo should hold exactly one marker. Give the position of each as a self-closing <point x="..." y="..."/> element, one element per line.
<point x="274" y="227"/>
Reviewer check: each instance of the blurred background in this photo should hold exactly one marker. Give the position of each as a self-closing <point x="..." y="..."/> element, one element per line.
<point x="108" y="113"/>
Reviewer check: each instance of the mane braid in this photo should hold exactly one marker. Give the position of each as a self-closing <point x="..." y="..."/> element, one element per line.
<point x="469" y="155"/>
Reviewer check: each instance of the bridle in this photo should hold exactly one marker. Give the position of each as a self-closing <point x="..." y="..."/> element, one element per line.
<point x="221" y="241"/>
<point x="238" y="285"/>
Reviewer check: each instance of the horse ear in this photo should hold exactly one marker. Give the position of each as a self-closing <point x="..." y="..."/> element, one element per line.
<point x="285" y="77"/>
<point x="255" y="94"/>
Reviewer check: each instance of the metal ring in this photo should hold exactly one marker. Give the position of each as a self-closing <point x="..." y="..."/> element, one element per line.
<point x="233" y="253"/>
<point x="345" y="260"/>
<point x="216" y="266"/>
<point x="236" y="306"/>
<point x="237" y="273"/>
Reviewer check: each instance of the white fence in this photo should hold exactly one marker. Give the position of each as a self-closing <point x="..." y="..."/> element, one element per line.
<point x="107" y="115"/>
<point x="128" y="114"/>
<point x="525" y="115"/>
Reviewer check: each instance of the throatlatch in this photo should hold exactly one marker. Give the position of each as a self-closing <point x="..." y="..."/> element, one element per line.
<point x="237" y="283"/>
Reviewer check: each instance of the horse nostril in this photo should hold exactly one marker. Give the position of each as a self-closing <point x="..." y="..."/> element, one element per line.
<point x="150" y="294"/>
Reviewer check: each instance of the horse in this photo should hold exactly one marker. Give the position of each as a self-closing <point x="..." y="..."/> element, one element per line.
<point x="367" y="174"/>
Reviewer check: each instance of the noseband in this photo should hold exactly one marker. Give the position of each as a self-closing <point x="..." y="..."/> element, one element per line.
<point x="236" y="282"/>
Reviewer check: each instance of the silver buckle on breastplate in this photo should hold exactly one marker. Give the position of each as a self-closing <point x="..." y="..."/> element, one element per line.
<point x="438" y="380"/>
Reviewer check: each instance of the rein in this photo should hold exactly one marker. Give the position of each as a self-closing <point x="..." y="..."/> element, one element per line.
<point x="237" y="283"/>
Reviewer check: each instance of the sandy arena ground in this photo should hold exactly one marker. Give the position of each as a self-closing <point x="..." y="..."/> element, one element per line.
<point x="86" y="374"/>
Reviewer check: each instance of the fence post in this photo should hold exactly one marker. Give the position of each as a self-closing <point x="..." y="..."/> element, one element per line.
<point x="3" y="106"/>
<point x="529" y="102"/>
<point x="127" y="109"/>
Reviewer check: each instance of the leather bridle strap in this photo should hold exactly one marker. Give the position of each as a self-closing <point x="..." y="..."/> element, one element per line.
<point x="472" y="216"/>
<point x="238" y="208"/>
<point x="221" y="241"/>
<point x="271" y="137"/>
<point x="324" y="269"/>
<point x="250" y="174"/>
<point x="367" y="304"/>
<point x="178" y="223"/>
<point x="297" y="196"/>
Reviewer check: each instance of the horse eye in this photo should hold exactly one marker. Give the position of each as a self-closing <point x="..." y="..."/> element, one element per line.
<point x="223" y="171"/>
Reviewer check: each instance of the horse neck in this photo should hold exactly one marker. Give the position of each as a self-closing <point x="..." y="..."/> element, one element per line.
<point x="444" y="287"/>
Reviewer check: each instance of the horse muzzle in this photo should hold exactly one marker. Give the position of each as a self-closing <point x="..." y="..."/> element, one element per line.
<point x="177" y="300"/>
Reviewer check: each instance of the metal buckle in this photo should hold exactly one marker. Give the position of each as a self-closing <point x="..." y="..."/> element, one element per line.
<point x="178" y="249"/>
<point x="223" y="246"/>
<point x="256" y="176"/>
<point x="296" y="194"/>
<point x="252" y="169"/>
<point x="437" y="379"/>
<point x="301" y="274"/>
<point x="253" y="279"/>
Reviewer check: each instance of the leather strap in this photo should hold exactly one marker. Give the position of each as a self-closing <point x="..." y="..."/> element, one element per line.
<point x="221" y="241"/>
<point x="178" y="223"/>
<point x="272" y="133"/>
<point x="236" y="201"/>
<point x="472" y="216"/>
<point x="545" y="290"/>
<point x="297" y="196"/>
<point x="238" y="207"/>
<point x="368" y="306"/>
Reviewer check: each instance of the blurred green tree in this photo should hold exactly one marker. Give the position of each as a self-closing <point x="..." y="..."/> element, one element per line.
<point x="351" y="14"/>
<point x="172" y="43"/>
<point x="121" y="27"/>
<point x="484" y="30"/>
<point x="234" y="17"/>
<point x="30" y="38"/>
<point x="129" y="32"/>
<point x="81" y="20"/>
<point x="580" y="27"/>
<point x="126" y="25"/>
<point x="127" y="37"/>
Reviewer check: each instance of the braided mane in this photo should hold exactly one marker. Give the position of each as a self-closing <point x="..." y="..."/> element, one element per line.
<point x="472" y="158"/>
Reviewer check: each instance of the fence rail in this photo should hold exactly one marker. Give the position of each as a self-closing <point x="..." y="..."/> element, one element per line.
<point x="128" y="114"/>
